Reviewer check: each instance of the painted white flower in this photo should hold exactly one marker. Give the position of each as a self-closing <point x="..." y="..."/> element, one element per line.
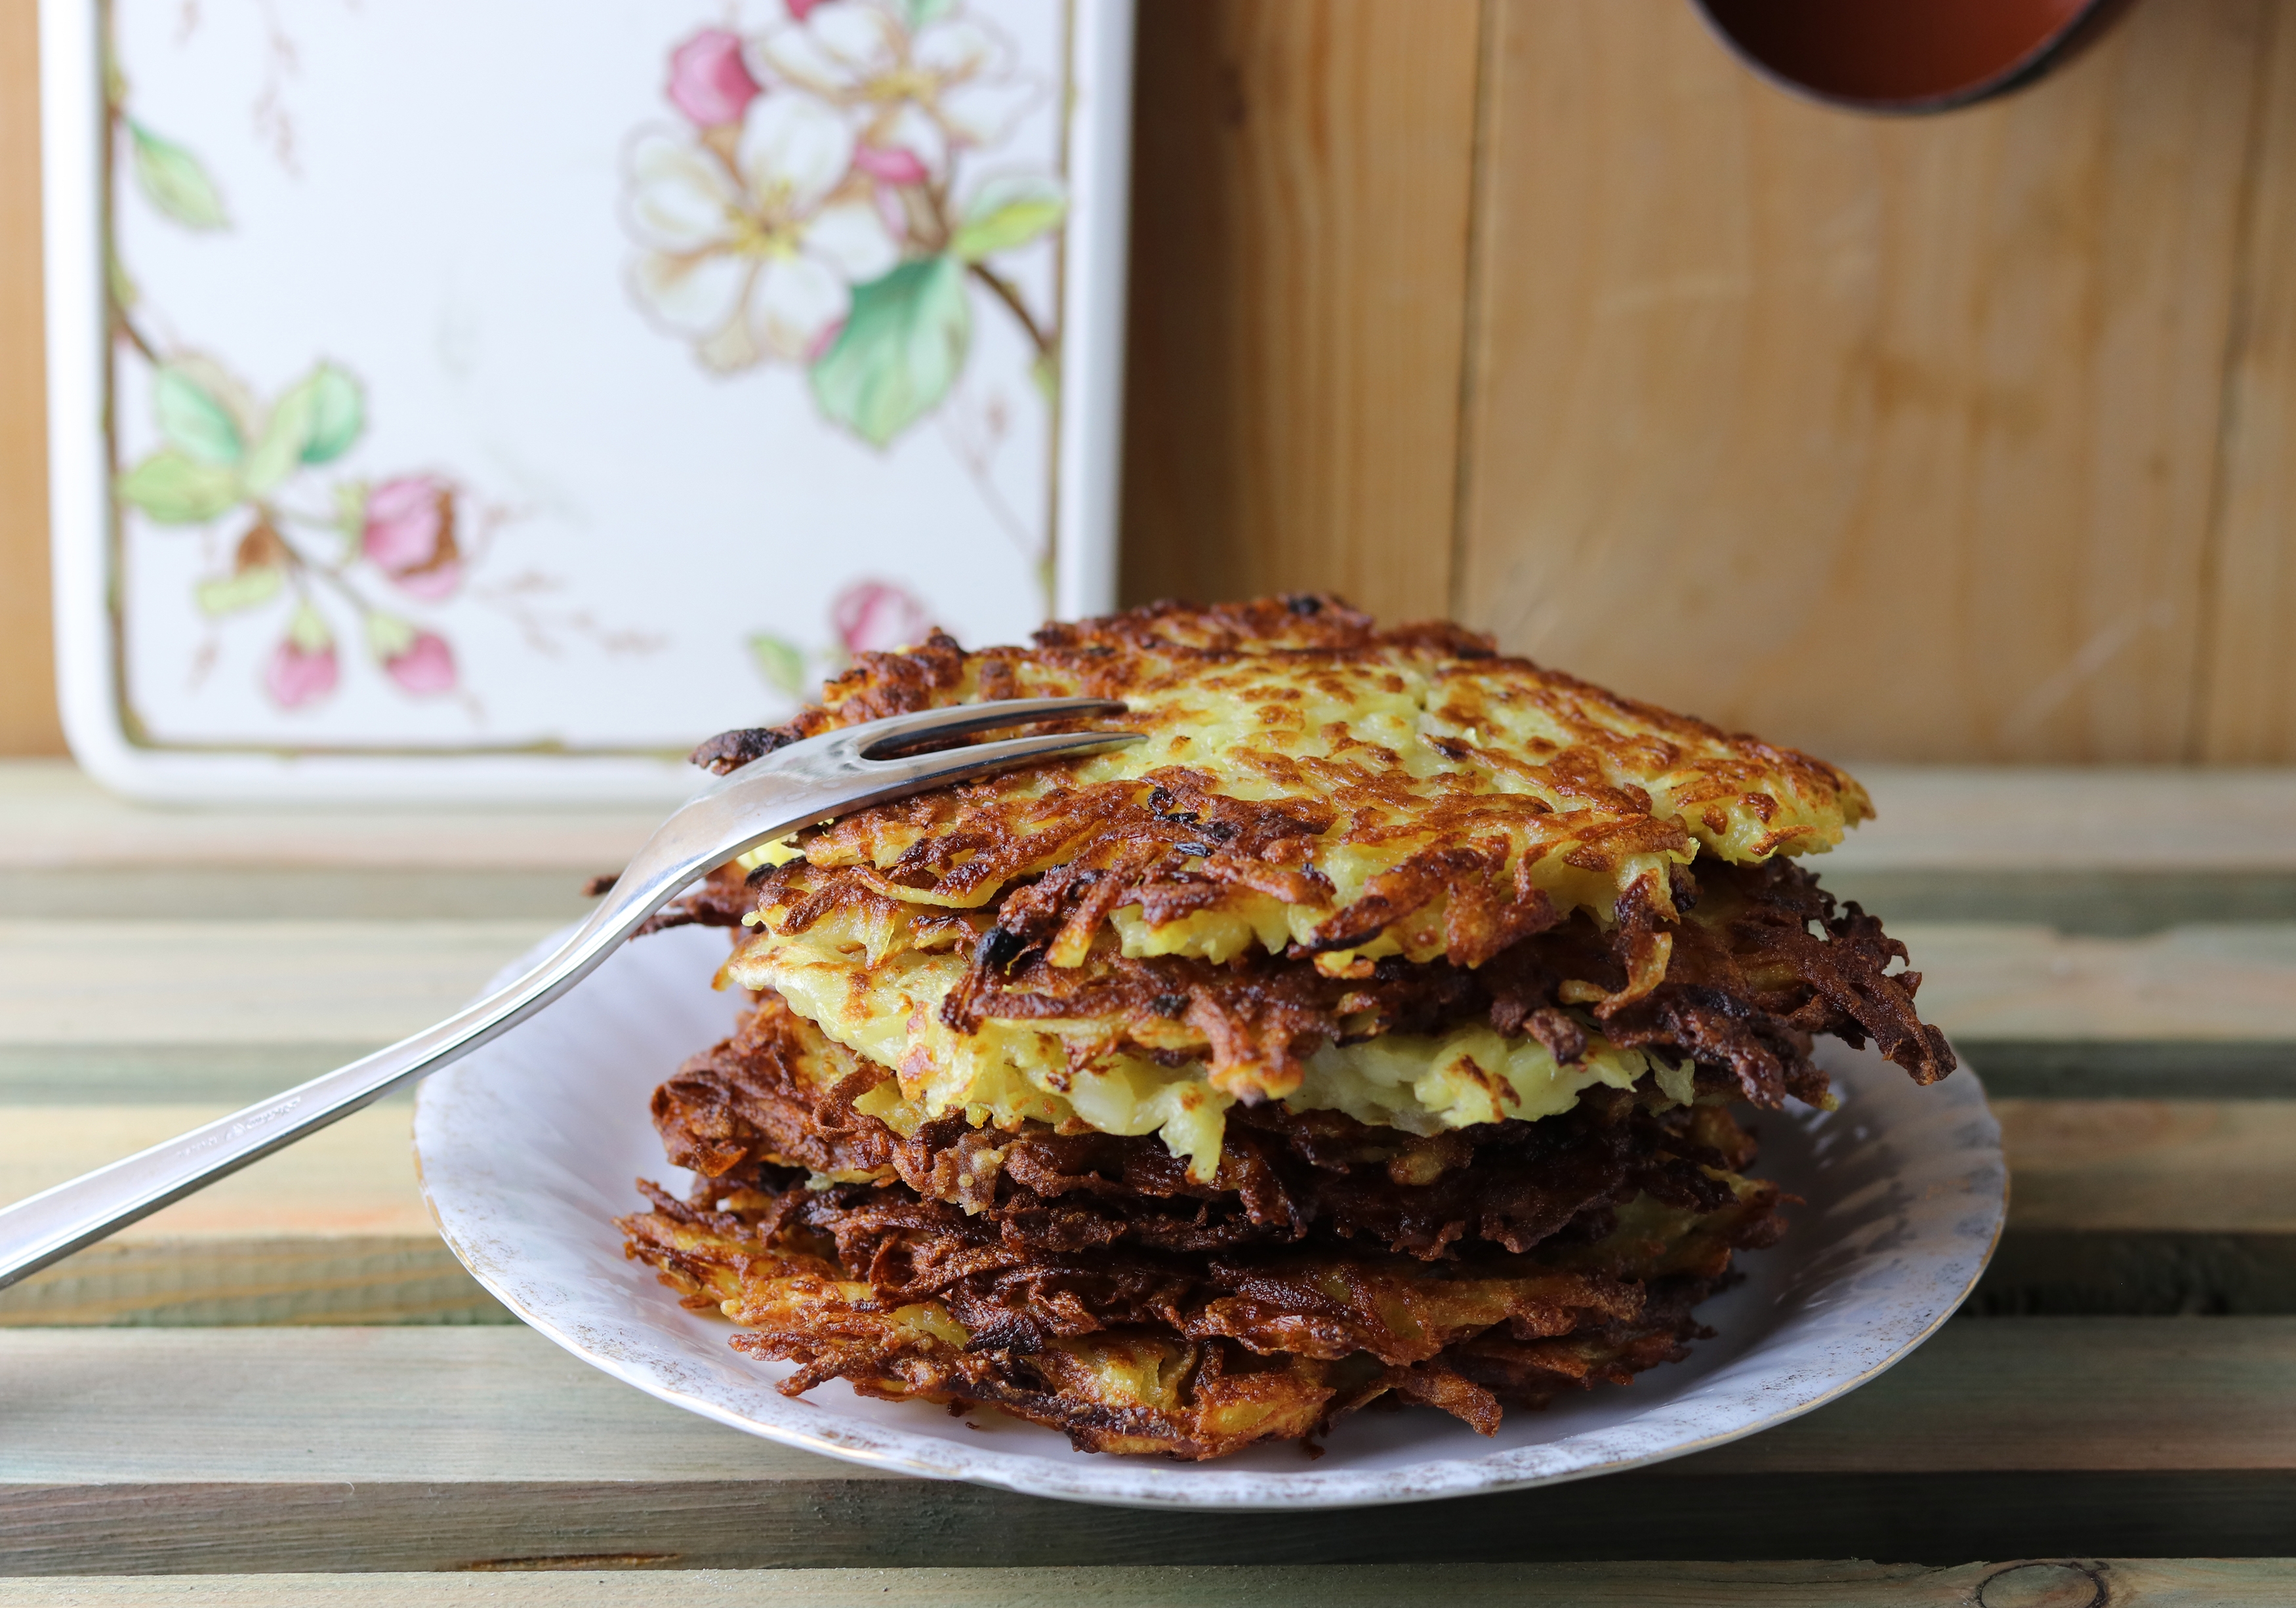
<point x="947" y="83"/>
<point x="752" y="247"/>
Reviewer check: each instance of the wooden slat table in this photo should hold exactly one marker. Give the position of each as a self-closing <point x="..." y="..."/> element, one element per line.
<point x="288" y="1375"/>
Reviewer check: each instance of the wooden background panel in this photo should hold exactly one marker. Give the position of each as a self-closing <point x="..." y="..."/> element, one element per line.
<point x="2248" y="688"/>
<point x="1300" y="229"/>
<point x="1884" y="435"/>
<point x="27" y="695"/>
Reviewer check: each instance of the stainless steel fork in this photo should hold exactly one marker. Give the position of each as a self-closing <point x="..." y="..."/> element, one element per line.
<point x="816" y="780"/>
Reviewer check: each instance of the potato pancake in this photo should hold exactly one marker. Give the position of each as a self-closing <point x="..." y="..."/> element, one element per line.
<point x="1369" y="1031"/>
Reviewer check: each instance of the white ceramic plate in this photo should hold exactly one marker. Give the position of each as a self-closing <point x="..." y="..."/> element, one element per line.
<point x="528" y="1149"/>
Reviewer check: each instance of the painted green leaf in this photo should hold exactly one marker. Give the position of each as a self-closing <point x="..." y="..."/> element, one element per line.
<point x="172" y="178"/>
<point x="916" y="13"/>
<point x="193" y="416"/>
<point x="901" y="349"/>
<point x="387" y="635"/>
<point x="338" y="413"/>
<point x="245" y="590"/>
<point x="1008" y="211"/>
<point x="350" y="508"/>
<point x="317" y="420"/>
<point x="176" y="489"/>
<point x="281" y="449"/>
<point x="782" y="663"/>
<point x="308" y="631"/>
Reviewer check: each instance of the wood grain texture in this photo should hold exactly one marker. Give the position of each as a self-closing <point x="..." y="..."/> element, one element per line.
<point x="1300" y="182"/>
<point x="27" y="686"/>
<point x="277" y="1277"/>
<point x="2188" y="1166"/>
<point x="243" y="982"/>
<point x="354" y="1178"/>
<point x="626" y="1583"/>
<point x="2199" y="983"/>
<point x="1931" y="818"/>
<point x="52" y="818"/>
<point x="2028" y="818"/>
<point x="1890" y="437"/>
<point x="334" y="1231"/>
<point x="2247" y="691"/>
<point x="144" y="1450"/>
<point x="166" y="982"/>
<point x="481" y="1405"/>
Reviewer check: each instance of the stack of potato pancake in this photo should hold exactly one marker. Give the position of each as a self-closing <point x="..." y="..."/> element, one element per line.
<point x="1370" y="1031"/>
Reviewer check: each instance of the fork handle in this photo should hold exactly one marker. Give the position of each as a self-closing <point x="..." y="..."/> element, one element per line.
<point x="770" y="798"/>
<point x="51" y="1225"/>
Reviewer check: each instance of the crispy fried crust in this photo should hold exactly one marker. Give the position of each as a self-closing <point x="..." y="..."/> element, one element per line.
<point x="1760" y="961"/>
<point x="1357" y="786"/>
<point x="778" y="1096"/>
<point x="1192" y="1358"/>
<point x="1381" y="860"/>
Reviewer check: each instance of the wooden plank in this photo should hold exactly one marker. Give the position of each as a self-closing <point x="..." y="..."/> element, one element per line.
<point x="140" y="1280"/>
<point x="2227" y="983"/>
<point x="243" y="982"/>
<point x="227" y="1075"/>
<point x="2116" y="1205"/>
<point x="2248" y="667"/>
<point x="54" y="818"/>
<point x="1301" y="176"/>
<point x="2180" y="1165"/>
<point x="2073" y="1068"/>
<point x="334" y="1231"/>
<point x="483" y="1406"/>
<point x="2028" y="1583"/>
<point x="2099" y="904"/>
<point x="2075" y="1272"/>
<point x="246" y="892"/>
<point x="188" y="983"/>
<point x="2026" y="819"/>
<point x="1888" y="437"/>
<point x="28" y="684"/>
<point x="355" y="1178"/>
<point x="134" y="1452"/>
<point x="1934" y="819"/>
<point x="329" y="1231"/>
<point x="2103" y="903"/>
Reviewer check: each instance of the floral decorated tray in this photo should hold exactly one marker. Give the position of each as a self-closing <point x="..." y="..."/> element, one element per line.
<point x="447" y="401"/>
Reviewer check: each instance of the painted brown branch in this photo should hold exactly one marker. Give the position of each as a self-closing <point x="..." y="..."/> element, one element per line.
<point x="124" y="327"/>
<point x="1009" y="295"/>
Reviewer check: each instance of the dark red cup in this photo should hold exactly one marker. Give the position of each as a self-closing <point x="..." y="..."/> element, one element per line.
<point x="1906" y="55"/>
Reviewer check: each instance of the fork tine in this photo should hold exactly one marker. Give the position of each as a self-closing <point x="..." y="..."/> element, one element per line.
<point x="960" y="764"/>
<point x="961" y="720"/>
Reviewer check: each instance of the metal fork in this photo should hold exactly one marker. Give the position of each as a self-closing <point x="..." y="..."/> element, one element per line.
<point x="816" y="780"/>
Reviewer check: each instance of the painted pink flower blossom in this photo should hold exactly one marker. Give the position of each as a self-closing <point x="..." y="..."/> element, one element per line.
<point x="800" y="10"/>
<point x="891" y="164"/>
<point x="708" y="80"/>
<point x="298" y="675"/>
<point x="409" y="535"/>
<point x="424" y="666"/>
<point x="875" y="616"/>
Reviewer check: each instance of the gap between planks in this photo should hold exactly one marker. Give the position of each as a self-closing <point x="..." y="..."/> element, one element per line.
<point x="2030" y="1583"/>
